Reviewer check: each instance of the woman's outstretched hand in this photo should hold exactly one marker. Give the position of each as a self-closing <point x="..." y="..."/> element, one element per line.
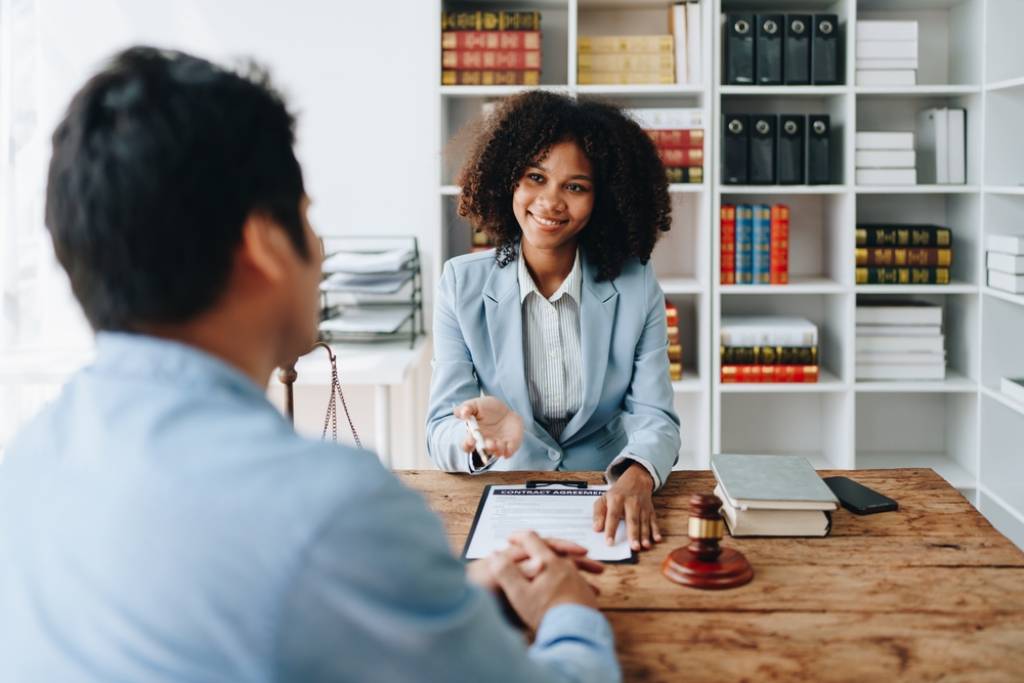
<point x="500" y="426"/>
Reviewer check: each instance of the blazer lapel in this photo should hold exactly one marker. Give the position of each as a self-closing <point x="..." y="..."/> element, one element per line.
<point x="505" y="327"/>
<point x="597" y="317"/>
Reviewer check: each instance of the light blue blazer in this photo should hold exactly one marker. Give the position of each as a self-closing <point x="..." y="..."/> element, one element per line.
<point x="627" y="394"/>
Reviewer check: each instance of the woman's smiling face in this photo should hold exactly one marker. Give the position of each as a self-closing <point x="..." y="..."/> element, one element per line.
<point x="555" y="197"/>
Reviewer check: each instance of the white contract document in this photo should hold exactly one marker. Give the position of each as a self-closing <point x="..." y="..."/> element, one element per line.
<point x="554" y="511"/>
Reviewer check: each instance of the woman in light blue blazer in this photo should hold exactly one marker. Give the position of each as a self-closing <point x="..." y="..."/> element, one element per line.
<point x="555" y="341"/>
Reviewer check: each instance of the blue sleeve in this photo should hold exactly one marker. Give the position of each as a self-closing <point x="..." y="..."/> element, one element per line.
<point x="452" y="382"/>
<point x="378" y="596"/>
<point x="650" y="419"/>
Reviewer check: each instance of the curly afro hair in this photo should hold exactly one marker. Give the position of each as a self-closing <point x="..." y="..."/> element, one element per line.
<point x="631" y="205"/>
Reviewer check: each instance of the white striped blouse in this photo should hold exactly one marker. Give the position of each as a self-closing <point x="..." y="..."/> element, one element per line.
<point x="551" y="348"/>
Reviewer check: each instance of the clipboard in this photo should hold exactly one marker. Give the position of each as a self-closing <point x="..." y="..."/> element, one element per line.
<point x="494" y="516"/>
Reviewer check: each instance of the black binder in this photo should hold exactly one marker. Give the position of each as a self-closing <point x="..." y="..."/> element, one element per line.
<point x="790" y="153"/>
<point x="768" y="50"/>
<point x="735" y="140"/>
<point x="819" y="150"/>
<point x="739" y="49"/>
<point x="796" y="51"/>
<point x="825" y="50"/>
<point x="762" y="149"/>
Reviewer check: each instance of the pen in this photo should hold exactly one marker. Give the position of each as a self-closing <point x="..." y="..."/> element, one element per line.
<point x="478" y="438"/>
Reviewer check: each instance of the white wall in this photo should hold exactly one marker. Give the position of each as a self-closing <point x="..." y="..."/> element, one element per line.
<point x="355" y="72"/>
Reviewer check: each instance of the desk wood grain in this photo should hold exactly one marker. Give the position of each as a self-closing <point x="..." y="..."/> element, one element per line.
<point x="931" y="592"/>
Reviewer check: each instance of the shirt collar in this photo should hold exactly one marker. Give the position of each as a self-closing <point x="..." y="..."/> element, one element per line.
<point x="570" y="286"/>
<point x="155" y="358"/>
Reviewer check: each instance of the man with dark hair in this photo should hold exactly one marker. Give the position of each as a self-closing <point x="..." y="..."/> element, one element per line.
<point x="161" y="521"/>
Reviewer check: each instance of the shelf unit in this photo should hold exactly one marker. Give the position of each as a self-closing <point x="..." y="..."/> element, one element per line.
<point x="962" y="427"/>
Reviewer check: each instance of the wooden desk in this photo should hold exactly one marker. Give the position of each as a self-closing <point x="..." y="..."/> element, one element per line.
<point x="926" y="593"/>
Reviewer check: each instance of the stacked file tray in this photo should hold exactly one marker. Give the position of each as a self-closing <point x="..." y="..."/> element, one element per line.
<point x="372" y="289"/>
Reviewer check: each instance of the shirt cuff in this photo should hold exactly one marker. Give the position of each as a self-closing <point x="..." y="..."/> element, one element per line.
<point x="615" y="468"/>
<point x="574" y="621"/>
<point x="473" y="469"/>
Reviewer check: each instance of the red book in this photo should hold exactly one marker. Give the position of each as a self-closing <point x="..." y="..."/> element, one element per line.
<point x="778" y="267"/>
<point x="678" y="139"/>
<point x="691" y="156"/>
<point x="784" y="374"/>
<point x="490" y="77"/>
<point x="490" y="59"/>
<point x="728" y="244"/>
<point x="490" y="40"/>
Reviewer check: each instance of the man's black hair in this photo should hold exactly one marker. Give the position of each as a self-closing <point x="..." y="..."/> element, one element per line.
<point x="156" y="165"/>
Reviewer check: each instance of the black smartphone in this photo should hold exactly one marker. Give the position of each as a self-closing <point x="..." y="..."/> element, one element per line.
<point x="859" y="499"/>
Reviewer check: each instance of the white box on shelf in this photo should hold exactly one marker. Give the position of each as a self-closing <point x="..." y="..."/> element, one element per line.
<point x="667" y="118"/>
<point x="884" y="140"/>
<point x="902" y="63"/>
<point x="898" y="330"/>
<point x="886" y="49"/>
<point x="1013" y="387"/>
<point x="886" y="176"/>
<point x="893" y="357"/>
<point x="1006" y="282"/>
<point x="693" y="43"/>
<point x="933" y="146"/>
<point x="1005" y="263"/>
<point x="957" y="145"/>
<point x="899" y="312"/>
<point x="875" y="29"/>
<point x="883" y="158"/>
<point x="1006" y="244"/>
<point x="902" y="371"/>
<point x="882" y="77"/>
<point x="933" y="344"/>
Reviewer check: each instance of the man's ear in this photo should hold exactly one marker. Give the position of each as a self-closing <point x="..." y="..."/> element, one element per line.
<point x="265" y="248"/>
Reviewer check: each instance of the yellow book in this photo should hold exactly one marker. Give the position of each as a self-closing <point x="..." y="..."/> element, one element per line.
<point x="625" y="78"/>
<point x="589" y="44"/>
<point x="644" y="62"/>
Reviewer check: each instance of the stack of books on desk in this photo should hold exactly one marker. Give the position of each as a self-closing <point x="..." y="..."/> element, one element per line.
<point x="900" y="340"/>
<point x="903" y="254"/>
<point x="1005" y="262"/>
<point x="768" y="349"/>
<point x="886" y="52"/>
<point x="678" y="134"/>
<point x="772" y="495"/>
<point x="490" y="48"/>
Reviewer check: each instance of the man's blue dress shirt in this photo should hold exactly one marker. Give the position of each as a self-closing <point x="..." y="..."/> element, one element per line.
<point x="161" y="521"/>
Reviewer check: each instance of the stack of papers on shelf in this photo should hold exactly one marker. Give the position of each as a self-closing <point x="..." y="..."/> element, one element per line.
<point x="886" y="53"/>
<point x="368" y="283"/>
<point x="900" y="340"/>
<point x="367" y="320"/>
<point x="772" y="495"/>
<point x="383" y="261"/>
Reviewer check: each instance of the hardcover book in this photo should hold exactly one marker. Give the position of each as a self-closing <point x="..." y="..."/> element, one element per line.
<point x="771" y="482"/>
<point x="876" y="235"/>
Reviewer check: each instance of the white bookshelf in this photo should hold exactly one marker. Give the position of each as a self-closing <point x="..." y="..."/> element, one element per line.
<point x="963" y="427"/>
